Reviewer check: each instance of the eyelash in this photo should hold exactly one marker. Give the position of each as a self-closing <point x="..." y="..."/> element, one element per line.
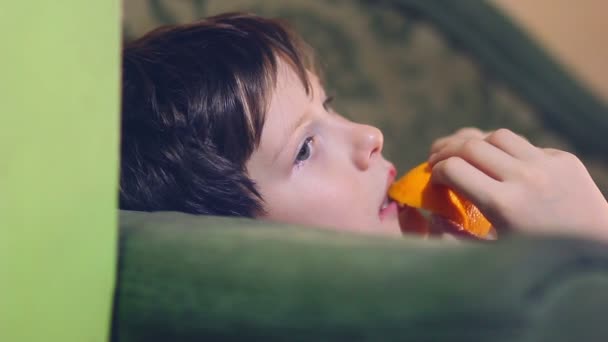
<point x="306" y="144"/>
<point x="327" y="103"/>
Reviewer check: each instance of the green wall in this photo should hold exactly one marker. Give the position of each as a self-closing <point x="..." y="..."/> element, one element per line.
<point x="59" y="98"/>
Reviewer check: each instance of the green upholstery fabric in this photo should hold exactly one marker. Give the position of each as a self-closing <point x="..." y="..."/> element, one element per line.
<point x="188" y="278"/>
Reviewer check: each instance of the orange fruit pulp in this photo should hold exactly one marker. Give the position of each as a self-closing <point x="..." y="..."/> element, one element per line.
<point x="414" y="189"/>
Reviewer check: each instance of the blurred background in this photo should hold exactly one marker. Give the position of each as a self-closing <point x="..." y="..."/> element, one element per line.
<point x="573" y="34"/>
<point x="422" y="69"/>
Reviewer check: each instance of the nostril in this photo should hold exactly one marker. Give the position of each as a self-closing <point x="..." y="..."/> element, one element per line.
<point x="374" y="151"/>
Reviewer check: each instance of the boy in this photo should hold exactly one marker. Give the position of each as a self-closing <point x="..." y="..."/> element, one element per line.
<point x="228" y="117"/>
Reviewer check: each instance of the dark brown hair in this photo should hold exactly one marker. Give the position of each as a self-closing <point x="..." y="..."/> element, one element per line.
<point x="194" y="99"/>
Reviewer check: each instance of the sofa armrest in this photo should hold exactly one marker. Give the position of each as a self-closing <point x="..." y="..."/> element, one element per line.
<point x="193" y="278"/>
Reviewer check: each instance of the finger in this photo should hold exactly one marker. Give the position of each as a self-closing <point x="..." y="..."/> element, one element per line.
<point x="482" y="155"/>
<point x="513" y="144"/>
<point x="553" y="151"/>
<point x="463" y="133"/>
<point x="467" y="180"/>
<point x="441" y="143"/>
<point x="471" y="133"/>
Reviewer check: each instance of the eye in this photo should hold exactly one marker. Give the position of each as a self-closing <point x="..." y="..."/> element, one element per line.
<point x="305" y="151"/>
<point x="327" y="103"/>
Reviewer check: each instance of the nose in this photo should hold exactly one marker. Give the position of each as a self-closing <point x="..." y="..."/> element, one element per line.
<point x="368" y="145"/>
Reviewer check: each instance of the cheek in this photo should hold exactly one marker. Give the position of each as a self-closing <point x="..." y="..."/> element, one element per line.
<point x="324" y="199"/>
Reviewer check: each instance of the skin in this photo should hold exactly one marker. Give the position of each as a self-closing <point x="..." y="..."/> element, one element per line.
<point x="519" y="186"/>
<point x="328" y="172"/>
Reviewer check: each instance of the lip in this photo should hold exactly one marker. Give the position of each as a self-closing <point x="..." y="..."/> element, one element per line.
<point x="392" y="206"/>
<point x="390" y="210"/>
<point x="392" y="173"/>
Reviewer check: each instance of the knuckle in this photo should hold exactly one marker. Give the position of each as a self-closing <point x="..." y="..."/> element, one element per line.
<point x="438" y="144"/>
<point x="500" y="135"/>
<point x="471" y="146"/>
<point x="451" y="164"/>
<point x="568" y="157"/>
<point x="470" y="131"/>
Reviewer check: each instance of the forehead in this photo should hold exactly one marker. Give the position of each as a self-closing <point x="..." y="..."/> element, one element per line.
<point x="289" y="88"/>
<point x="289" y="102"/>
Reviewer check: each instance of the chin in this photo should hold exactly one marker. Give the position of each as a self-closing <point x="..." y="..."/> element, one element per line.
<point x="389" y="227"/>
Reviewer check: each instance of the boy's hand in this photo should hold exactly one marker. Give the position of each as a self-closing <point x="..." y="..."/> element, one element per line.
<point x="519" y="186"/>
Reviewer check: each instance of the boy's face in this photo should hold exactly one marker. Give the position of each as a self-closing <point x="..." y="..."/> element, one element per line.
<point x="315" y="167"/>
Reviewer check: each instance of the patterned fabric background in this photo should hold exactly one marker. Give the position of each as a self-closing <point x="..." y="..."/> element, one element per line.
<point x="392" y="70"/>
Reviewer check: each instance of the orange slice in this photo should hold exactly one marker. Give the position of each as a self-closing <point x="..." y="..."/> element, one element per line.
<point x="415" y="190"/>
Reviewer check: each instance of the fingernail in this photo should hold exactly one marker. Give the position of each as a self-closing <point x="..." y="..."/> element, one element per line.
<point x="432" y="158"/>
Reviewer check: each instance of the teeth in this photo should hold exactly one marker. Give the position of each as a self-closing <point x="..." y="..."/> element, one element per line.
<point x="385" y="203"/>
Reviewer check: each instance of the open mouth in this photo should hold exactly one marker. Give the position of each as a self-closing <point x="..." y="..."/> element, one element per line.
<point x="387" y="208"/>
<point x="386" y="202"/>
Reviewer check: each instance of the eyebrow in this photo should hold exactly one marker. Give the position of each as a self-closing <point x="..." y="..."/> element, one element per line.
<point x="289" y="132"/>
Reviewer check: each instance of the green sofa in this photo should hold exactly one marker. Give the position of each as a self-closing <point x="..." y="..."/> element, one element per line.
<point x="416" y="69"/>
<point x="187" y="278"/>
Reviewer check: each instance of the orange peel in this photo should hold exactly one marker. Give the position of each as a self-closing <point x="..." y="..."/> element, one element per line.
<point x="414" y="189"/>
